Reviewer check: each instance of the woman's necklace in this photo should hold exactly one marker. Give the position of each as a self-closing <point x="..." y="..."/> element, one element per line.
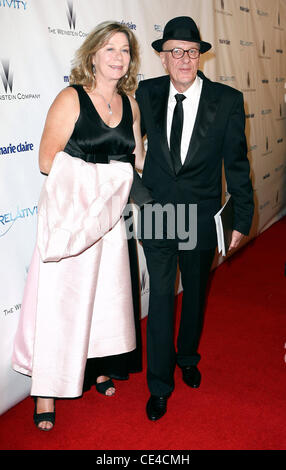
<point x="108" y="104"/>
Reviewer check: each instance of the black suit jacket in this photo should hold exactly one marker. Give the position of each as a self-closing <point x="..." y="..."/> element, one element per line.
<point x="218" y="135"/>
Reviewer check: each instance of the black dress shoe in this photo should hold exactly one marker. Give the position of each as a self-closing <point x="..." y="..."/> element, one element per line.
<point x="191" y="376"/>
<point x="156" y="407"/>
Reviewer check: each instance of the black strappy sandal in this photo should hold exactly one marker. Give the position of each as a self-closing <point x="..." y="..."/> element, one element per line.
<point x="49" y="416"/>
<point x="102" y="387"/>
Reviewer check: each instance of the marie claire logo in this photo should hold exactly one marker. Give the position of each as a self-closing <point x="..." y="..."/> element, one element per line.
<point x="12" y="149"/>
<point x="8" y="219"/>
<point x="129" y="24"/>
<point x="14" y="4"/>
<point x="252" y="148"/>
<point x="159" y="28"/>
<point x="71" y="18"/>
<point x="224" y="41"/>
<point x="245" y="9"/>
<point x="6" y="74"/>
<point x="279" y="168"/>
<point x="264" y="205"/>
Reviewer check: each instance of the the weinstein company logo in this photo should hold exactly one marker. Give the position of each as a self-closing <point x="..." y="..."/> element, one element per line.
<point x="6" y="76"/>
<point x="267" y="147"/>
<point x="71" y="14"/>
<point x="263" y="54"/>
<point x="276" y="199"/>
<point x="280" y="114"/>
<point x="221" y="9"/>
<point x="71" y="17"/>
<point x="278" y="26"/>
<point x="248" y="83"/>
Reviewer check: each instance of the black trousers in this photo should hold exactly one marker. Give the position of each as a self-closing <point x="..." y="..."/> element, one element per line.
<point x="162" y="258"/>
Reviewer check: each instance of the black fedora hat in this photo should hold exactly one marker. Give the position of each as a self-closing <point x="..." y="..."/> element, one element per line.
<point x="182" y="28"/>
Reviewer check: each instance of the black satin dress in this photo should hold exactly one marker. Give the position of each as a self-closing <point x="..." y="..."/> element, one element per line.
<point x="94" y="141"/>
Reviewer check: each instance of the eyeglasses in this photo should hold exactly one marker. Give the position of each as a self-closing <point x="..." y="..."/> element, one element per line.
<point x="178" y="53"/>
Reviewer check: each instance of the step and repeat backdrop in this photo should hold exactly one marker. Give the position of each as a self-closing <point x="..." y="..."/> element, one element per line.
<point x="38" y="39"/>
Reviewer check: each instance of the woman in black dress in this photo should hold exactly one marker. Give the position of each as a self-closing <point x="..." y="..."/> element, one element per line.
<point x="95" y="119"/>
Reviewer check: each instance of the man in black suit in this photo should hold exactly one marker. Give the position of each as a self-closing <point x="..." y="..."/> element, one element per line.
<point x="192" y="125"/>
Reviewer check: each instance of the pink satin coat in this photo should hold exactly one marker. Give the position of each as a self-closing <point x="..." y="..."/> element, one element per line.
<point x="77" y="301"/>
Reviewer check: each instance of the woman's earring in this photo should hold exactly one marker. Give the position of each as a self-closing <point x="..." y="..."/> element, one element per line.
<point x="93" y="69"/>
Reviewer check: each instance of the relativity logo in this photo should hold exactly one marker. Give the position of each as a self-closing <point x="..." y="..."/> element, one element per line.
<point x="8" y="219"/>
<point x="14" y="4"/>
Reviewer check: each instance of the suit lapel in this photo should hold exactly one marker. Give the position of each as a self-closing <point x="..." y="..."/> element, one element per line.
<point x="205" y="116"/>
<point x="159" y="101"/>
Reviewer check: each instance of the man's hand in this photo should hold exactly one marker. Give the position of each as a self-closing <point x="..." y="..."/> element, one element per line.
<point x="236" y="239"/>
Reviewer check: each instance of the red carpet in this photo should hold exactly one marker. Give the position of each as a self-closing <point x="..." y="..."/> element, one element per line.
<point x="241" y="401"/>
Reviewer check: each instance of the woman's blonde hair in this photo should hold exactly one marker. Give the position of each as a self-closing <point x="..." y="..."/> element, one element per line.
<point x="82" y="69"/>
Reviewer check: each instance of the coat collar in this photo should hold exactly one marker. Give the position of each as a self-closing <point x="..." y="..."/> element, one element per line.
<point x="159" y="100"/>
<point x="205" y="116"/>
